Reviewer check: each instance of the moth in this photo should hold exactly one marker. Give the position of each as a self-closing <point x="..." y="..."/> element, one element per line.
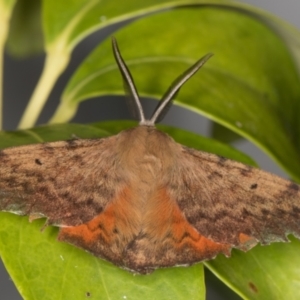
<point x="142" y="201"/>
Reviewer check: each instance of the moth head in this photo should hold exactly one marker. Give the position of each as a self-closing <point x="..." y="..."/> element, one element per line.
<point x="166" y="101"/>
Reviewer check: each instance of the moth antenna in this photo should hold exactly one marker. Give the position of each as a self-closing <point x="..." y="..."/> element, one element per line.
<point x="166" y="101"/>
<point x="129" y="86"/>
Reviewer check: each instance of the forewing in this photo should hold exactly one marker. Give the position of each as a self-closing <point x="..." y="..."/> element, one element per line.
<point x="234" y="204"/>
<point x="68" y="182"/>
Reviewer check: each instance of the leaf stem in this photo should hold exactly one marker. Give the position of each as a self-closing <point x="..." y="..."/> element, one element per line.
<point x="56" y="61"/>
<point x="58" y="56"/>
<point x="64" y="113"/>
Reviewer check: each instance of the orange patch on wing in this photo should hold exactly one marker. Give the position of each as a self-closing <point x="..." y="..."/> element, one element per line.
<point x="101" y="225"/>
<point x="186" y="234"/>
<point x="106" y="225"/>
<point x="167" y="217"/>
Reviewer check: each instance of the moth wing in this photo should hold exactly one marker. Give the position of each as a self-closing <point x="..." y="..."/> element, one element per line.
<point x="67" y="182"/>
<point x="234" y="204"/>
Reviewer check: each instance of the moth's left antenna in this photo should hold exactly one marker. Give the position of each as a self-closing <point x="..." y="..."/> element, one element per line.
<point x="129" y="86"/>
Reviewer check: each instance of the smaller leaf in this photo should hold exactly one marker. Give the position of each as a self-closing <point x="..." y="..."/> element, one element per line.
<point x="265" y="272"/>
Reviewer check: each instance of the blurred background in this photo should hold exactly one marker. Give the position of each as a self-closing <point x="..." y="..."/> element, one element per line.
<point x="21" y="75"/>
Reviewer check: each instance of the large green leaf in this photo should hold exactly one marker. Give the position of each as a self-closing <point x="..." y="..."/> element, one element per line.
<point x="243" y="87"/>
<point x="41" y="267"/>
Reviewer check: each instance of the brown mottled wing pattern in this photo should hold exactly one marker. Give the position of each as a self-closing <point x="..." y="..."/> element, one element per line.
<point x="231" y="203"/>
<point x="50" y="180"/>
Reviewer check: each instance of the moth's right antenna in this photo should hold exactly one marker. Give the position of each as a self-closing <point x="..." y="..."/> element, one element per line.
<point x="129" y="86"/>
<point x="166" y="101"/>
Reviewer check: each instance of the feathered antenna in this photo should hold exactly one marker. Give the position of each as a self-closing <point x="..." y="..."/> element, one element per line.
<point x="166" y="101"/>
<point x="129" y="86"/>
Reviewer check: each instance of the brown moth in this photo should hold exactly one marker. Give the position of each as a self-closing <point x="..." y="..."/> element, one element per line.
<point x="142" y="201"/>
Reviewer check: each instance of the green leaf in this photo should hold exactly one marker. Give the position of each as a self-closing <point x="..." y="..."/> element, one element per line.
<point x="243" y="87"/>
<point x="75" y="19"/>
<point x="49" y="134"/>
<point x="42" y="267"/>
<point x="265" y="272"/>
